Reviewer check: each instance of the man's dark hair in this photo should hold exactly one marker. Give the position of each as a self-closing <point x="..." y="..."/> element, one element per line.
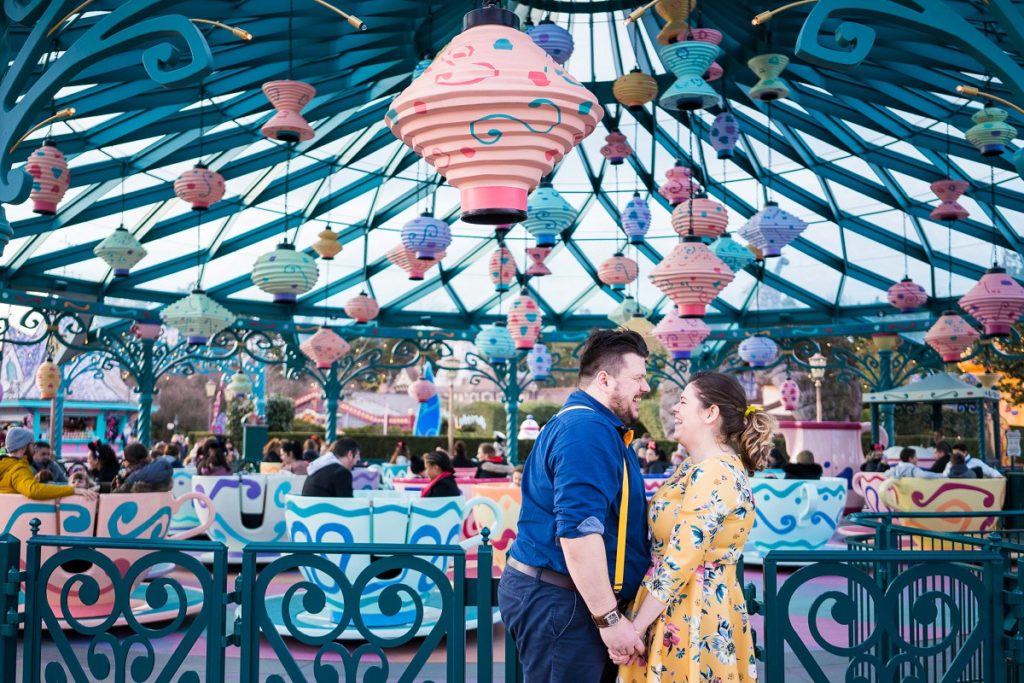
<point x="604" y="350"/>
<point x="42" y="444"/>
<point x="906" y="454"/>
<point x="343" y="446"/>
<point x="962" y="447"/>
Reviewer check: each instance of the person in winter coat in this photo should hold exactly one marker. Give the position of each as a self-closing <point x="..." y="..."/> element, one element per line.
<point x="16" y="475"/>
<point x="330" y="475"/>
<point x="907" y="467"/>
<point x="142" y="475"/>
<point x="492" y="465"/>
<point x="441" y="472"/>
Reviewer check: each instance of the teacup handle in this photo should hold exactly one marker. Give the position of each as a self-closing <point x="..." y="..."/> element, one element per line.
<point x="810" y="507"/>
<point x="884" y="492"/>
<point x="473" y="503"/>
<point x="189" y="533"/>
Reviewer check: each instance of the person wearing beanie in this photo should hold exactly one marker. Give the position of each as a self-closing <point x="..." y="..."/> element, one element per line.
<point x="16" y="475"/>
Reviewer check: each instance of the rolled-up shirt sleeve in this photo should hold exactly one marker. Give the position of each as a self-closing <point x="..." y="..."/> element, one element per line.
<point x="588" y="477"/>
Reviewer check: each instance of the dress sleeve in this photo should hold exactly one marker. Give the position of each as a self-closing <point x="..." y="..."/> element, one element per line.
<point x="711" y="495"/>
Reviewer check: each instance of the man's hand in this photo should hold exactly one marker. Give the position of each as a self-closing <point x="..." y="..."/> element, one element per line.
<point x="88" y="494"/>
<point x="621" y="640"/>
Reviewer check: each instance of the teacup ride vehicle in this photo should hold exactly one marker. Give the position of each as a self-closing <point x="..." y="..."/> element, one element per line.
<point x="793" y="514"/>
<point x="247" y="508"/>
<point x="83" y="590"/>
<point x="397" y="603"/>
<point x="503" y="528"/>
<point x="186" y="516"/>
<point x="866" y="485"/>
<point x="949" y="496"/>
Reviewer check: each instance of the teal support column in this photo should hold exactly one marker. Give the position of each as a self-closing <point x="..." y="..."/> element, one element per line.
<point x="147" y="387"/>
<point x="983" y="430"/>
<point x="332" y="397"/>
<point x="101" y="426"/>
<point x="512" y="411"/>
<point x="259" y="388"/>
<point x="884" y="384"/>
<point x="874" y="423"/>
<point x="57" y="417"/>
<point x="997" y="434"/>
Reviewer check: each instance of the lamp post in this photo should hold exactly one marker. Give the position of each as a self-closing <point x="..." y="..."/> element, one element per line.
<point x="817" y="363"/>
<point x="211" y="392"/>
<point x="451" y="368"/>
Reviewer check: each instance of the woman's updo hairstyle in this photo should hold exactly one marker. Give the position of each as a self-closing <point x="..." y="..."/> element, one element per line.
<point x="750" y="432"/>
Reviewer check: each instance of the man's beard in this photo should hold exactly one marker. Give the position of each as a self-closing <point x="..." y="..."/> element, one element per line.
<point x="623" y="408"/>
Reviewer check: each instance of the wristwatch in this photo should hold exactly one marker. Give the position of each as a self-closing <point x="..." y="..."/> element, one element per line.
<point x="609" y="619"/>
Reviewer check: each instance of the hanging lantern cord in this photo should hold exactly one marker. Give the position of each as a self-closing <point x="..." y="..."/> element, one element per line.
<point x="992" y="190"/>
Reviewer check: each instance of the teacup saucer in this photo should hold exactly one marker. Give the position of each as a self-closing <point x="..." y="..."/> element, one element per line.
<point x="143" y="612"/>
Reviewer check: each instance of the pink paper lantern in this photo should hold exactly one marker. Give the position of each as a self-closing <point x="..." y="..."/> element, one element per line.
<point x="691" y="276"/>
<point x="714" y="72"/>
<point x="200" y="187"/>
<point x="948" y="191"/>
<point x="288" y="98"/>
<point x="680" y="336"/>
<point x="502" y="268"/>
<point x="493" y="116"/>
<point x="678" y="186"/>
<point x="789" y="393"/>
<point x="324" y="348"/>
<point x="704" y="35"/>
<point x="524" y="321"/>
<point x="362" y="308"/>
<point x="706" y="217"/>
<point x="537" y="256"/>
<point x="996" y="301"/>
<point x="406" y="260"/>
<point x="618" y="271"/>
<point x="617" y="148"/>
<point x="422" y="390"/>
<point x="907" y="295"/>
<point x="50" y="177"/>
<point x="950" y="336"/>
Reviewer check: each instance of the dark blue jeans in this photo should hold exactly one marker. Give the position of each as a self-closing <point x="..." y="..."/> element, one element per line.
<point x="556" y="639"/>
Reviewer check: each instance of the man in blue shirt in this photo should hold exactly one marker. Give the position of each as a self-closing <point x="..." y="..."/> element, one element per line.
<point x="556" y="594"/>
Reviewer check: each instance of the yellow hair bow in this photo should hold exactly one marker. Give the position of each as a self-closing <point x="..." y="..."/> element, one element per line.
<point x="751" y="410"/>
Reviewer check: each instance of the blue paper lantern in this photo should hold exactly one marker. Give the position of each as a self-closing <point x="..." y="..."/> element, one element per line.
<point x="548" y="215"/>
<point x="495" y="343"/>
<point x="427" y="236"/>
<point x="636" y="219"/>
<point x="553" y="39"/>
<point x="771" y="228"/>
<point x="539" y="362"/>
<point x="732" y="253"/>
<point x="758" y="351"/>
<point x="724" y="134"/>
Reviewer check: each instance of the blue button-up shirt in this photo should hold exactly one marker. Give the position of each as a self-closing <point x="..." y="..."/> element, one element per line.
<point x="572" y="483"/>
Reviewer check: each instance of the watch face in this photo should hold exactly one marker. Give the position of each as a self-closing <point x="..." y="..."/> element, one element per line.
<point x="613" y="618"/>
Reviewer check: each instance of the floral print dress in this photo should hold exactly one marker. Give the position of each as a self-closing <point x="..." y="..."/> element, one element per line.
<point x="700" y="519"/>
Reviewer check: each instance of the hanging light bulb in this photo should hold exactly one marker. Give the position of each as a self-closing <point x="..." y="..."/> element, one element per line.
<point x="680" y="336"/>
<point x="759" y="351"/>
<point x="362" y="308"/>
<point x="618" y="271"/>
<point x="771" y="228"/>
<point x="996" y="302"/>
<point x="990" y="132"/>
<point x="502" y="268"/>
<point x="120" y="251"/>
<point x="700" y="216"/>
<point x="950" y="336"/>
<point x="907" y="295"/>
<point x="426" y="236"/>
<point x="548" y="215"/>
<point x="768" y="68"/>
<point x="50" y="177"/>
<point x="691" y="276"/>
<point x="285" y="273"/>
<point x="724" y="134"/>
<point x="617" y="149"/>
<point x="524" y="321"/>
<point x="325" y="347"/>
<point x="495" y="343"/>
<point x="635" y="89"/>
<point x="678" y="185"/>
<point x="493" y="162"/>
<point x="197" y="316"/>
<point x="636" y="219"/>
<point x="732" y="253"/>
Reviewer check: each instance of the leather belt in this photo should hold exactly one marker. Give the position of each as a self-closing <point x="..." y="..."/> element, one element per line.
<point x="542" y="574"/>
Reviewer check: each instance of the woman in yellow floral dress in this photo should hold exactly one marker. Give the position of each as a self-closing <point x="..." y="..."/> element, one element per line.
<point x="691" y="607"/>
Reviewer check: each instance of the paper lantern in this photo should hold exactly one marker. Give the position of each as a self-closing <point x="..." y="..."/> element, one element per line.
<point x="48" y="379"/>
<point x="771" y="228"/>
<point x="239" y="387"/>
<point x="678" y="185"/>
<point x="50" y="177"/>
<point x="197" y="316"/>
<point x="691" y="276"/>
<point x="553" y="39"/>
<point x="714" y="72"/>
<point x="288" y="98"/>
<point x="948" y="191"/>
<point x="548" y="215"/>
<point x="768" y="68"/>
<point x="704" y="35"/>
<point x="539" y="362"/>
<point x="327" y="245"/>
<point x="907" y="295"/>
<point x="494" y="117"/>
<point x="732" y="253"/>
<point x="362" y="308"/>
<point x="146" y="331"/>
<point x="524" y="321"/>
<point x="996" y="301"/>
<point x="415" y="267"/>
<point x="950" y="336"/>
<point x="325" y="347"/>
<point x="724" y="134"/>
<point x="636" y="219"/>
<point x="617" y="148"/>
<point x="688" y="60"/>
<point x="618" y="271"/>
<point x="705" y="217"/>
<point x="537" y="255"/>
<point x="422" y="391"/>
<point x="680" y="336"/>
<point x="502" y="268"/>
<point x="200" y="187"/>
<point x="120" y="250"/>
<point x="421" y="67"/>
<point x="990" y="132"/>
<point x="530" y="429"/>
<point x="285" y="273"/>
<point x="635" y="89"/>
<point x="758" y="351"/>
<point x="675" y="13"/>
<point x="789" y="393"/>
<point x="426" y="236"/>
<point x="495" y="343"/>
<point x="6" y="231"/>
<point x="626" y="310"/>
